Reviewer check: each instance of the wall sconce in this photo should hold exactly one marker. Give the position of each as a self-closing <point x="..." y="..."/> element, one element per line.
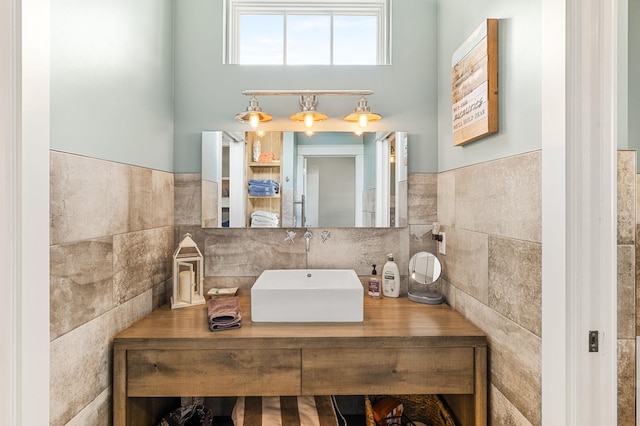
<point x="187" y="274"/>
<point x="308" y="115"/>
<point x="362" y="114"/>
<point x="308" y="101"/>
<point x="253" y="114"/>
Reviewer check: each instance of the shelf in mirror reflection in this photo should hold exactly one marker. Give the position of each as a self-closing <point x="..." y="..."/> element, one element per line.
<point x="332" y="179"/>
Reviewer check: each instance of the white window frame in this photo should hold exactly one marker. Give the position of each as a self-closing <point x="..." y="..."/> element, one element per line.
<point x="235" y="8"/>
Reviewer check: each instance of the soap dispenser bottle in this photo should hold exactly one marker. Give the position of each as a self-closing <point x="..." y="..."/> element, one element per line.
<point x="390" y="278"/>
<point x="374" y="284"/>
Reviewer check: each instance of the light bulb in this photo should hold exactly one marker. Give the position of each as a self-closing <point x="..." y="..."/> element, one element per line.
<point x="308" y="120"/>
<point x="309" y="132"/>
<point x="260" y="133"/>
<point x="362" y="120"/>
<point x="358" y="132"/>
<point x="254" y="119"/>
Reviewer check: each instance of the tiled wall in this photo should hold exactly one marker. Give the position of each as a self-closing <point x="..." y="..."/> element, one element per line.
<point x="235" y="257"/>
<point x="491" y="214"/>
<point x="111" y="248"/>
<point x="114" y="268"/>
<point x="626" y="288"/>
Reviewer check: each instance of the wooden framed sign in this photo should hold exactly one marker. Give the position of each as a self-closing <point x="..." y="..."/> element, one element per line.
<point x="474" y="89"/>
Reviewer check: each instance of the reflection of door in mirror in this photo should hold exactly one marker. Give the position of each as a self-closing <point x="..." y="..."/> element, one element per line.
<point x="325" y="205"/>
<point x="331" y="183"/>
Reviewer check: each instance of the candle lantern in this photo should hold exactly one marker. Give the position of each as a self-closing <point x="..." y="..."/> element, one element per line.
<point x="187" y="274"/>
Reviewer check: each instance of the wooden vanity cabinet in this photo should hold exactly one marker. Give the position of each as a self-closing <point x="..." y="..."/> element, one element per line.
<point x="401" y="348"/>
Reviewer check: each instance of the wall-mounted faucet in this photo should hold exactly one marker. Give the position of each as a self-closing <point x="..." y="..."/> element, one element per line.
<point x="307" y="237"/>
<point x="325" y="235"/>
<point x="290" y="236"/>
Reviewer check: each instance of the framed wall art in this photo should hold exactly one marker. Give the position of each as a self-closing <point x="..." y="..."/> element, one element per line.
<point x="474" y="88"/>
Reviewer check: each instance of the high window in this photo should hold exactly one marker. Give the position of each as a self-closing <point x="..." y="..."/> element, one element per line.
<point x="288" y="32"/>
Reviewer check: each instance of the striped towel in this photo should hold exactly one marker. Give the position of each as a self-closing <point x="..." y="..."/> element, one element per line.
<point x="287" y="411"/>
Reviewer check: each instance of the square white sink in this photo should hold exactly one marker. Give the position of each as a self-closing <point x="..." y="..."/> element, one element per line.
<point x="307" y="295"/>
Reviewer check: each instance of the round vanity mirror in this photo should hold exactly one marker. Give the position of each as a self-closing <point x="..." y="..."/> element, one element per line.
<point x="424" y="269"/>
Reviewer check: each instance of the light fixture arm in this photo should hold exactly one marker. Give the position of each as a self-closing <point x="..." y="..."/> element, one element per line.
<point x="337" y="92"/>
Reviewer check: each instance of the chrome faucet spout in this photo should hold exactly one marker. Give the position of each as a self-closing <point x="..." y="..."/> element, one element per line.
<point x="307" y="237"/>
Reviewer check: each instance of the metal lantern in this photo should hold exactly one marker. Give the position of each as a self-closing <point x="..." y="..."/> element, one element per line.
<point x="187" y="274"/>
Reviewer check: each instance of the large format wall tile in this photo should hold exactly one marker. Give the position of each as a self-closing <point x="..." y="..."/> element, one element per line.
<point x="359" y="248"/>
<point x="515" y="281"/>
<point x="626" y="292"/>
<point x="502" y="412"/>
<point x="447" y="198"/>
<point x="188" y="199"/>
<point x="81" y="285"/>
<point x="88" y="198"/>
<point x="466" y="264"/>
<point x="97" y="413"/>
<point x="248" y="252"/>
<point x="81" y="359"/>
<point x="79" y="369"/>
<point x="93" y="198"/>
<point x="402" y="201"/>
<point x="514" y="356"/>
<point x="161" y="199"/>
<point x="626" y="196"/>
<point x="420" y="239"/>
<point x="141" y="260"/>
<point x="422" y="198"/>
<point x="501" y="197"/>
<point x="626" y="382"/>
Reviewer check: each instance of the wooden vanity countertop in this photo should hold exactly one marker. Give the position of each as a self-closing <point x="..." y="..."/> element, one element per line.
<point x="386" y="321"/>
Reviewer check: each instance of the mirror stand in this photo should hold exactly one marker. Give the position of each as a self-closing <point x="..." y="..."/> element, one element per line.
<point x="424" y="270"/>
<point x="425" y="296"/>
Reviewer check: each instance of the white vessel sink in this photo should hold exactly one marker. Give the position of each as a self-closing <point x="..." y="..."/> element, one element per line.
<point x="307" y="295"/>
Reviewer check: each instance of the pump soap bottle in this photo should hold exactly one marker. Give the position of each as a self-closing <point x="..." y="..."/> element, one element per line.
<point x="390" y="278"/>
<point x="374" y="284"/>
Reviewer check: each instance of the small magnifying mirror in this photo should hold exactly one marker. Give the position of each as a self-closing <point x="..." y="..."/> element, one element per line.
<point x="424" y="270"/>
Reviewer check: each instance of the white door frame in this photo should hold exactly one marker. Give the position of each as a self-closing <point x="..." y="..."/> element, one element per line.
<point x="382" y="218"/>
<point x="24" y="211"/>
<point x="356" y="151"/>
<point x="579" y="291"/>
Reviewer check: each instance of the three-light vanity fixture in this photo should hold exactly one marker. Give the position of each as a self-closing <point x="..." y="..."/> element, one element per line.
<point x="308" y="102"/>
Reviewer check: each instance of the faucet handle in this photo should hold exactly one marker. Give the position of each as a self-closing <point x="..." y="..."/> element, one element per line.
<point x="325" y="235"/>
<point x="308" y="234"/>
<point x="290" y="236"/>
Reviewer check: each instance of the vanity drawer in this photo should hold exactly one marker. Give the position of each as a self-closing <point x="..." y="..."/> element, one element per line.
<point x="213" y="372"/>
<point x="348" y="371"/>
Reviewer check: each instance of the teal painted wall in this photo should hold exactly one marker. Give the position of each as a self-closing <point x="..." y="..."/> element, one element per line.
<point x="624" y="52"/>
<point x="208" y="93"/>
<point x="519" y="79"/>
<point x="112" y="80"/>
<point x="634" y="74"/>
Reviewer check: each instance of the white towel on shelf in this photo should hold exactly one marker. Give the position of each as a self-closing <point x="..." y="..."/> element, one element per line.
<point x="259" y="222"/>
<point x="265" y="215"/>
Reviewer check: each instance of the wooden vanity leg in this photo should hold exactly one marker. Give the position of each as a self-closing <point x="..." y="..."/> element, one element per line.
<point x="480" y="392"/>
<point x="119" y="387"/>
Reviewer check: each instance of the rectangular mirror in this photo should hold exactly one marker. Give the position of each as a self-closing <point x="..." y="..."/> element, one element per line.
<point x="289" y="179"/>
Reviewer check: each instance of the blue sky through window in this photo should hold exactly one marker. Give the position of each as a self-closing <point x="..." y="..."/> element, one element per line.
<point x="308" y="39"/>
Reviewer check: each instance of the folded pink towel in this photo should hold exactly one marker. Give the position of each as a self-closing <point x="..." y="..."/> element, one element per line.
<point x="224" y="313"/>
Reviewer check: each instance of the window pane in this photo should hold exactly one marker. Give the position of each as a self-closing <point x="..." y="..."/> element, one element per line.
<point x="355" y="40"/>
<point x="308" y="39"/>
<point x="261" y="39"/>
